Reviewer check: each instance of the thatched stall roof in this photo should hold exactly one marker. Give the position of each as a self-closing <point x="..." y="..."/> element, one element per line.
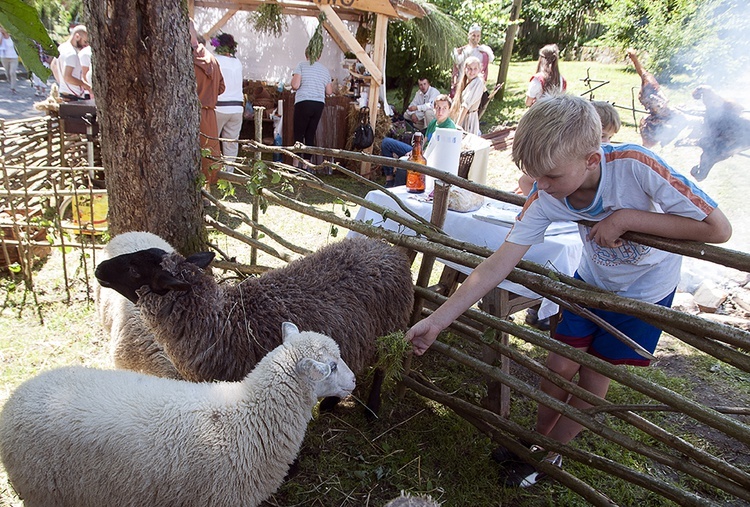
<point x="346" y="9"/>
<point x="336" y="11"/>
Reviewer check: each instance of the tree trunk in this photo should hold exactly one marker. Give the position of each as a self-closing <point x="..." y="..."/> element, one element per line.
<point x="148" y="114"/>
<point x="510" y="36"/>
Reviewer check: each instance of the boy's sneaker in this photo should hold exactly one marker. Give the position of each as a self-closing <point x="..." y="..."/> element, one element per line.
<point x="524" y="475"/>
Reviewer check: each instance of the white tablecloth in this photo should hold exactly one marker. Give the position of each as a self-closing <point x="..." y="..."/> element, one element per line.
<point x="481" y="148"/>
<point x="560" y="252"/>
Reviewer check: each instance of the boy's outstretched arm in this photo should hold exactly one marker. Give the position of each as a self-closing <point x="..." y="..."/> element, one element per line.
<point x="484" y="278"/>
<point x="715" y="228"/>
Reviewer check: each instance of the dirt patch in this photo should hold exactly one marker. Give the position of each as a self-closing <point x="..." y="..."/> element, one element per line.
<point x="713" y="384"/>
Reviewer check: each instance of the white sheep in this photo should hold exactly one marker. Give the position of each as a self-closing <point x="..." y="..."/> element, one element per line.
<point x="132" y="344"/>
<point x="83" y="437"/>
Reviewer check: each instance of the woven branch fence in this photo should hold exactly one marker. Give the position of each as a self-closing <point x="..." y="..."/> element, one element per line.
<point x="26" y="184"/>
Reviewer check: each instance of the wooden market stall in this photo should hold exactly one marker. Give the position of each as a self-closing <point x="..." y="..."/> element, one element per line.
<point x="371" y="57"/>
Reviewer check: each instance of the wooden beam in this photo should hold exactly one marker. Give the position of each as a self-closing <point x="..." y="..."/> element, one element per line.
<point x="403" y="9"/>
<point x="378" y="55"/>
<point x="191" y="9"/>
<point x="351" y="43"/>
<point x="376" y="6"/>
<point x="220" y="24"/>
<point x="288" y="7"/>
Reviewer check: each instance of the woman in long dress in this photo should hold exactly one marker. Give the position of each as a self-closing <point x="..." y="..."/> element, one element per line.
<point x="465" y="110"/>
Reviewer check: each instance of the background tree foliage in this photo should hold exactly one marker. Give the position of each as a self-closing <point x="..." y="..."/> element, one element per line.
<point x="58" y="15"/>
<point x="691" y="40"/>
<point x="565" y="22"/>
<point x="492" y="16"/>
<point x="21" y="20"/>
<point x="421" y="48"/>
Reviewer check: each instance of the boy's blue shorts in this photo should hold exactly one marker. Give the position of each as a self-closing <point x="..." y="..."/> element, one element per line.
<point x="581" y="333"/>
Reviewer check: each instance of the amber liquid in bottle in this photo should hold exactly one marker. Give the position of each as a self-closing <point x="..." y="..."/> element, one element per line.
<point x="415" y="181"/>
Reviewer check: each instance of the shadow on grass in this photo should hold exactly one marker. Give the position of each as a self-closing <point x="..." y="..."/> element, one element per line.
<point x="307" y="194"/>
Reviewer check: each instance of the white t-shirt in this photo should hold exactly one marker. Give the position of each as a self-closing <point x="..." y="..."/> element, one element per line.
<point x="535" y="90"/>
<point x="315" y="78"/>
<point x="84" y="56"/>
<point x="7" y="48"/>
<point x="632" y="177"/>
<point x="231" y="70"/>
<point x="68" y="57"/>
<point x="424" y="101"/>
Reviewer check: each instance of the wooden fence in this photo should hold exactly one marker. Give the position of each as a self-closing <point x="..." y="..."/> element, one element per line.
<point x="48" y="186"/>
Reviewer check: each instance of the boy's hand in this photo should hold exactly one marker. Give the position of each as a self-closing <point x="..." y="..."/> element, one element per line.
<point x="607" y="232"/>
<point x="422" y="335"/>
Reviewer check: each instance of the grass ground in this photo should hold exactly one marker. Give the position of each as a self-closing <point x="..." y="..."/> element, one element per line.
<point x="416" y="445"/>
<point x="622" y="90"/>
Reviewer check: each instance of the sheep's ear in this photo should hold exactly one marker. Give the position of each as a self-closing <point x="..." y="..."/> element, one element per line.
<point x="164" y="282"/>
<point x="314" y="370"/>
<point x="288" y="329"/>
<point x="201" y="259"/>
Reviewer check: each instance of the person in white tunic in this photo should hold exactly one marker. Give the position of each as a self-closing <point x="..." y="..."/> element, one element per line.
<point x="465" y="109"/>
<point x="420" y="111"/>
<point x="481" y="51"/>
<point x="230" y="104"/>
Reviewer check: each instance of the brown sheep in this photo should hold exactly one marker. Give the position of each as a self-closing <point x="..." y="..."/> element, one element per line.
<point x="353" y="291"/>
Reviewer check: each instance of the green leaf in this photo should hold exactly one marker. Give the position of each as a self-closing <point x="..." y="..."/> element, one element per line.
<point x="259" y="166"/>
<point x="23" y="24"/>
<point x="263" y="204"/>
<point x="489" y="335"/>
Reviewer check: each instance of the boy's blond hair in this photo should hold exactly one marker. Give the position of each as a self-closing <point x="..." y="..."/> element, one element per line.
<point x="555" y="129"/>
<point x="609" y="116"/>
<point x="443" y="98"/>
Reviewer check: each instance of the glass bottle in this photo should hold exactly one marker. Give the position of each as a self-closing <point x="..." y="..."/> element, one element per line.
<point x="415" y="181"/>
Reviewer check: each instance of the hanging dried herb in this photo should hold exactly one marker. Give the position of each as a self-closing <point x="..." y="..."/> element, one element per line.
<point x="315" y="46"/>
<point x="364" y="30"/>
<point x="269" y="19"/>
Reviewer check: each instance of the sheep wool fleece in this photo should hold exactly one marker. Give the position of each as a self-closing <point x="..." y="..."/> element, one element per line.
<point x="132" y="345"/>
<point x="81" y="437"/>
<point x="354" y="291"/>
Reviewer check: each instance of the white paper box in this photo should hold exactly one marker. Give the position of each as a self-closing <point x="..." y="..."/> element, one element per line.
<point x="443" y="153"/>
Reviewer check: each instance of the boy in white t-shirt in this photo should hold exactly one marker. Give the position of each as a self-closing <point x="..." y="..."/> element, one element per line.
<point x="621" y="188"/>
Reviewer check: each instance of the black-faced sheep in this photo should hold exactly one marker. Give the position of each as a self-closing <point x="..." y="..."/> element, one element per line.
<point x="132" y="345"/>
<point x="81" y="437"/>
<point x="354" y="291"/>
